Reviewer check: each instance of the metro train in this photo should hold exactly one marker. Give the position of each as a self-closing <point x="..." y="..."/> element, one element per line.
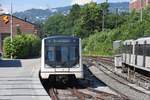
<point x="61" y="57"/>
<point x="136" y="53"/>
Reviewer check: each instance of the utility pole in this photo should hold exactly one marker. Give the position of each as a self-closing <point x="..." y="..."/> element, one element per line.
<point x="103" y="17"/>
<point x="103" y="21"/>
<point x="1" y="11"/>
<point x="11" y="25"/>
<point x="117" y="10"/>
<point x="92" y="1"/>
<point x="141" y="8"/>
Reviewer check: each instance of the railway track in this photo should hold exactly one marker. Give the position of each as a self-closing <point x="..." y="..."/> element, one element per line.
<point x="53" y="94"/>
<point x="79" y="94"/>
<point x="136" y="78"/>
<point x="79" y="89"/>
<point x="68" y="91"/>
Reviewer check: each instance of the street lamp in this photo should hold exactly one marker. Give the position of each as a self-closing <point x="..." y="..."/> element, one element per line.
<point x="117" y="11"/>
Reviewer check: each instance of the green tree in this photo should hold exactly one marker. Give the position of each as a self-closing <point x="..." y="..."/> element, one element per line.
<point x="53" y="24"/>
<point x="71" y="19"/>
<point x="90" y="20"/>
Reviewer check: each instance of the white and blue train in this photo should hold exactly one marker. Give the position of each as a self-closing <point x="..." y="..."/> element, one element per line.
<point x="61" y="56"/>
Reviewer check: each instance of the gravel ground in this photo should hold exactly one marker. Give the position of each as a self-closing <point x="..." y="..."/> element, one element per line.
<point x="118" y="84"/>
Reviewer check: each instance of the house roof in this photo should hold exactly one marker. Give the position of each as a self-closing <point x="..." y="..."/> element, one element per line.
<point x="18" y="18"/>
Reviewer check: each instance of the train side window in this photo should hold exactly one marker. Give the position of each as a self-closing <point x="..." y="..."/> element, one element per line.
<point x="147" y="47"/>
<point x="144" y="48"/>
<point x="136" y="48"/>
<point x="124" y="48"/>
<point x="140" y="49"/>
<point x="130" y="49"/>
<point x="127" y="48"/>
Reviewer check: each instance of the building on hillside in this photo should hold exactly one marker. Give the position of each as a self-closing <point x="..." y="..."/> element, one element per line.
<point x="17" y="24"/>
<point x="1" y="10"/>
<point x="138" y="4"/>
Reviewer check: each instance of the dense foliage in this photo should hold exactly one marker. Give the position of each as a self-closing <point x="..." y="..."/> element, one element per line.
<point x="87" y="21"/>
<point x="22" y="46"/>
<point x="99" y="44"/>
<point x="82" y="21"/>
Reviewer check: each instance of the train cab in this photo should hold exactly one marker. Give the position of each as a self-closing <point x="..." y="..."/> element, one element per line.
<point x="61" y="56"/>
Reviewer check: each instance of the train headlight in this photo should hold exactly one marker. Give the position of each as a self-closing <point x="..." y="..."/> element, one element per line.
<point x="47" y="66"/>
<point x="76" y="66"/>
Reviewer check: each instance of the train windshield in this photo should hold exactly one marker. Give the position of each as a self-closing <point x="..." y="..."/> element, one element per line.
<point x="62" y="55"/>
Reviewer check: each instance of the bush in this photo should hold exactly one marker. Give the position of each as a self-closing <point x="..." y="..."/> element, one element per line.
<point x="22" y="46"/>
<point x="99" y="44"/>
<point x="7" y="47"/>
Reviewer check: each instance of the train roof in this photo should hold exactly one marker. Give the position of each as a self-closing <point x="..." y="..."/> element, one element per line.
<point x="142" y="40"/>
<point x="139" y="41"/>
<point x="128" y="42"/>
<point x="117" y="41"/>
<point x="61" y="36"/>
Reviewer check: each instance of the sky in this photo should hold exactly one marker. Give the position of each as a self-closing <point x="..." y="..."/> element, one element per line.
<point x="21" y="5"/>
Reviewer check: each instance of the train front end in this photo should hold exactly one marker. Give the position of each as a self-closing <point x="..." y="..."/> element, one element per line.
<point x="61" y="56"/>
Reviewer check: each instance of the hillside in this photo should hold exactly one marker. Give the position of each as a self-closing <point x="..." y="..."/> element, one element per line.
<point x="40" y="15"/>
<point x="122" y="6"/>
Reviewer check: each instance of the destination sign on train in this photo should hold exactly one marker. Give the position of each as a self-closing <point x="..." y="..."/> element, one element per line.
<point x="62" y="40"/>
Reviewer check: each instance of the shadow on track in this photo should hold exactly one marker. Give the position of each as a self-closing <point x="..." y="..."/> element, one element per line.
<point x="89" y="81"/>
